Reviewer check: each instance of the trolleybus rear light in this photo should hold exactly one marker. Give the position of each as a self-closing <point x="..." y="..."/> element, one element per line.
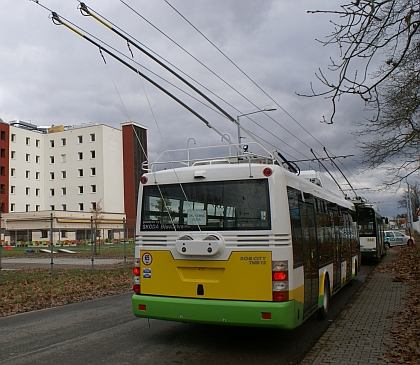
<point x="280" y="266"/>
<point x="142" y="307"/>
<point x="267" y="172"/>
<point x="280" y="275"/>
<point x="280" y="285"/>
<point x="136" y="288"/>
<point x="136" y="271"/>
<point x="280" y="296"/>
<point x="266" y="315"/>
<point x="143" y="180"/>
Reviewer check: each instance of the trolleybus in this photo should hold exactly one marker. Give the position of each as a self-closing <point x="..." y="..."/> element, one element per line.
<point x="371" y="232"/>
<point x="240" y="241"/>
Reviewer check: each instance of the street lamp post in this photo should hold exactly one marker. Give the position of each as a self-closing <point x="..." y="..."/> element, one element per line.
<point x="242" y="115"/>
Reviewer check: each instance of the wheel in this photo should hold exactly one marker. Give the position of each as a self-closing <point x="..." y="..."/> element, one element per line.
<point x="387" y="245"/>
<point x="323" y="311"/>
<point x="409" y="242"/>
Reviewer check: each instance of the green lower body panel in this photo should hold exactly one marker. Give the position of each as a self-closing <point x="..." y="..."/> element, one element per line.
<point x="285" y="315"/>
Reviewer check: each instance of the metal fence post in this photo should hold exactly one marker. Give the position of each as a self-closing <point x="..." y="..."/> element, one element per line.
<point x="91" y="242"/>
<point x="125" y="246"/>
<point x="51" y="245"/>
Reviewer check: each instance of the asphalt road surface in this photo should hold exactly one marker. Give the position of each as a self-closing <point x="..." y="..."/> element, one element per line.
<point x="104" y="331"/>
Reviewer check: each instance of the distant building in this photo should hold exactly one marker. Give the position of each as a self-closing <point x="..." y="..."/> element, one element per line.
<point x="70" y="168"/>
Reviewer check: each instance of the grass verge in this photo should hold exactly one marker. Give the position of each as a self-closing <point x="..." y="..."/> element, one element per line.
<point x="31" y="289"/>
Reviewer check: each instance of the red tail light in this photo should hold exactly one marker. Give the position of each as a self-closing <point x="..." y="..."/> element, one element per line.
<point x="279" y="275"/>
<point x="136" y="288"/>
<point x="280" y="296"/>
<point x="136" y="271"/>
<point x="266" y="315"/>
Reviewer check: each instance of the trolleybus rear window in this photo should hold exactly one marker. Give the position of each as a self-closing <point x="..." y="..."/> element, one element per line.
<point x="217" y="205"/>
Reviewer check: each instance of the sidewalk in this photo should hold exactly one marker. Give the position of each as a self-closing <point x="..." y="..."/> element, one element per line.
<point x="358" y="336"/>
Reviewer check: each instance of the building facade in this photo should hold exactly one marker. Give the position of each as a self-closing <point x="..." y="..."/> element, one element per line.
<point x="68" y="168"/>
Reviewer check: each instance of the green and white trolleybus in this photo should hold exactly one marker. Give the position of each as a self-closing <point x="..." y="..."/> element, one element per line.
<point x="241" y="241"/>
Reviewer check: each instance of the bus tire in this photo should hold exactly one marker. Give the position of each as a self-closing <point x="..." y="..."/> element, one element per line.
<point x="387" y="246"/>
<point x="323" y="311"/>
<point x="409" y="242"/>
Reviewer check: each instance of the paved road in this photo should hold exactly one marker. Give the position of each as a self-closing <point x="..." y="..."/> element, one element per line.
<point x="105" y="331"/>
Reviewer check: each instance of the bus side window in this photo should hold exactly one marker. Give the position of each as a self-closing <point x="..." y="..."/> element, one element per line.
<point x="296" y="226"/>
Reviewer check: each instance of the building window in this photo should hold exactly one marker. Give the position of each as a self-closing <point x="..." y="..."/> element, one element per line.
<point x="63" y="141"/>
<point x="37" y="142"/>
<point x="63" y="191"/>
<point x="80" y="139"/>
<point x="52" y="192"/>
<point x="28" y="157"/>
<point x="63" y="158"/>
<point x="92" y="137"/>
<point x="28" y="207"/>
<point x="51" y="159"/>
<point x="13" y="154"/>
<point x="52" y="175"/>
<point x="37" y="208"/>
<point x="80" y="172"/>
<point x="51" y="143"/>
<point x="63" y="207"/>
<point x="80" y="155"/>
<point x="37" y="191"/>
<point x="12" y="172"/>
<point x="37" y="159"/>
<point x="28" y="174"/>
<point x="44" y="233"/>
<point x="12" y="189"/>
<point x="63" y="174"/>
<point x="93" y="205"/>
<point x="92" y="154"/>
<point x="93" y="171"/>
<point x="2" y="152"/>
<point x="2" y="188"/>
<point x="13" y="137"/>
<point x="28" y="191"/>
<point x="3" y="135"/>
<point x="37" y="175"/>
<point x="52" y="207"/>
<point x="93" y="188"/>
<point x="2" y="170"/>
<point x="28" y="141"/>
<point x="80" y="206"/>
<point x="80" y="189"/>
<point x="12" y="207"/>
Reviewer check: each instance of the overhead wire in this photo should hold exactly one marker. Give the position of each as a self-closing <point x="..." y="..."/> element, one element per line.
<point x="216" y="75"/>
<point x="85" y="10"/>
<point x="248" y="77"/>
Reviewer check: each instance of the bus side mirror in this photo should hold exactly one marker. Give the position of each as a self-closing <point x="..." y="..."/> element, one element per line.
<point x="386" y="220"/>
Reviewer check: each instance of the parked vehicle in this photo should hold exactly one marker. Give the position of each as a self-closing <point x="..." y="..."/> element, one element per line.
<point x="395" y="238"/>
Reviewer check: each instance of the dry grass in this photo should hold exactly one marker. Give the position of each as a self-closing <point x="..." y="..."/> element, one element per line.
<point x="31" y="289"/>
<point x="404" y="347"/>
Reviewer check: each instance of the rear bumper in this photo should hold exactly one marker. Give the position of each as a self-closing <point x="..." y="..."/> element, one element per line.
<point x="285" y="315"/>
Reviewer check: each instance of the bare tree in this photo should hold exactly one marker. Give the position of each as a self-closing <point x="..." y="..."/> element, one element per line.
<point x="415" y="200"/>
<point x="379" y="43"/>
<point x="97" y="217"/>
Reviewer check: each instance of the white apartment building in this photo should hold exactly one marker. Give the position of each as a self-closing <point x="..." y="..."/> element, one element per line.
<point x="71" y="168"/>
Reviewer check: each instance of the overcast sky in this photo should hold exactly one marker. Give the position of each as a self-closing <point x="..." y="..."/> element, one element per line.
<point x="49" y="75"/>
